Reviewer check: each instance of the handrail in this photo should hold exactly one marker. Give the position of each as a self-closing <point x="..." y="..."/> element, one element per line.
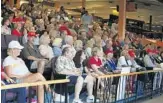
<point x="11" y="86"/>
<point x="127" y="74"/>
<point x="67" y="80"/>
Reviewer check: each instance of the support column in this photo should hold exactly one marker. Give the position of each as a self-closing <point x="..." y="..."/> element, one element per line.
<point x="83" y="3"/>
<point x="18" y="4"/>
<point x="122" y="19"/>
<point x="11" y="2"/>
<point x="57" y="5"/>
<point x="150" y="23"/>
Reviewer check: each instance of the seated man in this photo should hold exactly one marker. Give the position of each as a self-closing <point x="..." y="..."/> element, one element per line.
<point x="149" y="60"/>
<point x="133" y="60"/>
<point x="110" y="63"/>
<point x="21" y="92"/>
<point x="32" y="53"/>
<point x="124" y="60"/>
<point x="66" y="66"/>
<point x="151" y="64"/>
<point x="111" y="66"/>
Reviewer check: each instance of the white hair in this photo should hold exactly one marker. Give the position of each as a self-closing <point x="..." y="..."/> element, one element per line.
<point x="78" y="44"/>
<point x="68" y="39"/>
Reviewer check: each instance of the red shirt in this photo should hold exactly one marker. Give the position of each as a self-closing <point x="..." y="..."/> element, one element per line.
<point x="16" y="32"/>
<point x="92" y="60"/>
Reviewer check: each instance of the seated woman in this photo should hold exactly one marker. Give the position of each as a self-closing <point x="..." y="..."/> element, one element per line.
<point x="95" y="64"/>
<point x="5" y="30"/>
<point x="16" y="68"/>
<point x="79" y="63"/>
<point x="88" y="50"/>
<point x="78" y="45"/>
<point x="66" y="66"/>
<point x="21" y="92"/>
<point x="57" y="43"/>
<point x="44" y="48"/>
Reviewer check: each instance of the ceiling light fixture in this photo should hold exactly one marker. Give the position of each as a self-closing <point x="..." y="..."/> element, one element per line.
<point x="113" y="7"/>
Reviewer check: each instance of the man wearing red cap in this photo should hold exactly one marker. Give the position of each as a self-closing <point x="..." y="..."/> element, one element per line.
<point x="31" y="52"/>
<point x="110" y="63"/>
<point x="133" y="61"/>
<point x="149" y="60"/>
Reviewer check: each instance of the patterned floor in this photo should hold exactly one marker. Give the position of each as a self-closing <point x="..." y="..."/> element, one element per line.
<point x="158" y="99"/>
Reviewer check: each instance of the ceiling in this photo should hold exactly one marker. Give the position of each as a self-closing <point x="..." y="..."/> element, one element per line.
<point x="103" y="8"/>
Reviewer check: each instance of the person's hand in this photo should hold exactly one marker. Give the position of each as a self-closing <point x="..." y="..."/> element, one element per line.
<point x="109" y="73"/>
<point x="2" y="83"/>
<point x="9" y="80"/>
<point x="117" y="71"/>
<point x="94" y="75"/>
<point x="78" y="73"/>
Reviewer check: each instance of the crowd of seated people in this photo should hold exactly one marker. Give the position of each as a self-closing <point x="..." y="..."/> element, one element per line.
<point x="84" y="50"/>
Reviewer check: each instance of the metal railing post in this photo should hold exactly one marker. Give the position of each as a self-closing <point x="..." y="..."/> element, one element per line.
<point x="66" y="93"/>
<point x="96" y="85"/>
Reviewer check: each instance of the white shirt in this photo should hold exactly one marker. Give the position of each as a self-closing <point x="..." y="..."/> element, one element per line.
<point x="5" y="30"/>
<point x="18" y="66"/>
<point x="122" y="61"/>
<point x="88" y="52"/>
<point x="46" y="51"/>
<point x="148" y="62"/>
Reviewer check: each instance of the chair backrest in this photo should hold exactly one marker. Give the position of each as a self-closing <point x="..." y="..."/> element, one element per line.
<point x="3" y="54"/>
<point x="9" y="38"/>
<point x="3" y="42"/>
<point x="20" y="40"/>
<point x="53" y="63"/>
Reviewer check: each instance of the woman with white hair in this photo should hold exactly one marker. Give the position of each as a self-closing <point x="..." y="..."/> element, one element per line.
<point x="57" y="43"/>
<point x="69" y="43"/>
<point x="44" y="48"/>
<point x="88" y="50"/>
<point x="78" y="45"/>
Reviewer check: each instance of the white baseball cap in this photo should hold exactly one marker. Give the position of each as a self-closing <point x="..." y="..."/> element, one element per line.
<point x="15" y="44"/>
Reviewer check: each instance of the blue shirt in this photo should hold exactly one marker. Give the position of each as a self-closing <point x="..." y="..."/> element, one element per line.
<point x="111" y="65"/>
<point x="57" y="51"/>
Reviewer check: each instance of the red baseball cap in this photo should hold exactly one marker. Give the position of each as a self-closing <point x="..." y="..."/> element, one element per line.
<point x="149" y="51"/>
<point x="31" y="34"/>
<point x="131" y="53"/>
